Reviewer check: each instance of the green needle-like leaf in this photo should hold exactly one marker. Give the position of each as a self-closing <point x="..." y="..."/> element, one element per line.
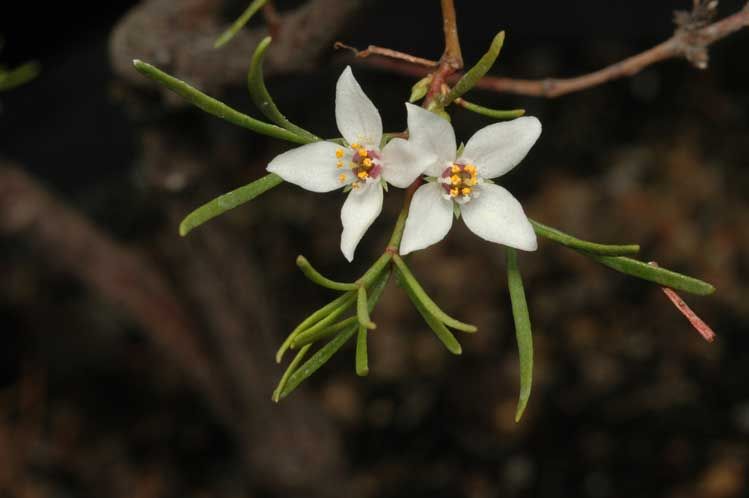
<point x="290" y="370"/>
<point x="522" y="330"/>
<point x="250" y="11"/>
<point x="478" y="71"/>
<point x="332" y="316"/>
<point x="362" y="312"/>
<point x="228" y="201"/>
<point x="660" y="276"/>
<point x="216" y="107"/>
<point x="420" y="295"/>
<point x="326" y="352"/>
<point x="304" y="338"/>
<point x="261" y="97"/>
<point x="583" y="245"/>
<point x="362" y="362"/>
<point x="317" y="360"/>
<point x="18" y="76"/>
<point x="443" y="333"/>
<point x="492" y="113"/>
<point x="342" y="300"/>
<point x="319" y="279"/>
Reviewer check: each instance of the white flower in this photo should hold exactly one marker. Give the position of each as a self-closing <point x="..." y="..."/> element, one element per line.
<point x="488" y="210"/>
<point x="362" y="166"/>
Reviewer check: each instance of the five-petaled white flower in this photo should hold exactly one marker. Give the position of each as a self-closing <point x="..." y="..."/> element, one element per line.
<point x="488" y="210"/>
<point x="362" y="166"/>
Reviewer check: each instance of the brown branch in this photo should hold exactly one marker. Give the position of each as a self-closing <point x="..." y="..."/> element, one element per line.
<point x="689" y="43"/>
<point x="386" y="52"/>
<point x="452" y="56"/>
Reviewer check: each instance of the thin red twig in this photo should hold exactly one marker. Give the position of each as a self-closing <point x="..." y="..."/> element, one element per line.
<point x="386" y="52"/>
<point x="699" y="325"/>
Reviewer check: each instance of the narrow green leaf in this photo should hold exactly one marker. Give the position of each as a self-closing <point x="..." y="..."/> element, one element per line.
<point x="492" y="113"/>
<point x="660" y="276"/>
<point x="362" y="362"/>
<point x="478" y="71"/>
<point x="308" y="337"/>
<point x="319" y="279"/>
<point x="583" y="245"/>
<point x="420" y="89"/>
<point x="317" y="360"/>
<point x="228" y="201"/>
<point x="362" y="313"/>
<point x="522" y="330"/>
<point x="420" y="294"/>
<point x="261" y="97"/>
<point x="331" y="317"/>
<point x="19" y="76"/>
<point x="326" y="352"/>
<point x="250" y="11"/>
<point x="290" y="370"/>
<point x="313" y="319"/>
<point x="216" y="107"/>
<point x="443" y="333"/>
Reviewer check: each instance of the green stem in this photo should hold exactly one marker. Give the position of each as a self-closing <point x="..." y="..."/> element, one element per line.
<point x="583" y="245"/>
<point x="216" y="107"/>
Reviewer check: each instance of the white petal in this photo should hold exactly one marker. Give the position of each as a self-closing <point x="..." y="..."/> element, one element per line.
<point x="358" y="213"/>
<point x="311" y="166"/>
<point x="498" y="148"/>
<point x="356" y="116"/>
<point x="498" y="217"/>
<point x="404" y="162"/>
<point x="432" y="133"/>
<point x="429" y="219"/>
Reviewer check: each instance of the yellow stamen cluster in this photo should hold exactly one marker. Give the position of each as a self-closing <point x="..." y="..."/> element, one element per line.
<point x="360" y="164"/>
<point x="462" y="179"/>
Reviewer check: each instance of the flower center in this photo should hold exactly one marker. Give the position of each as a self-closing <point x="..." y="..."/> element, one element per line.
<point x="459" y="182"/>
<point x="364" y="165"/>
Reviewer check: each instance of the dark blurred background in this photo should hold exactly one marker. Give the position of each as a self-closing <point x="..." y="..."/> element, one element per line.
<point x="134" y="363"/>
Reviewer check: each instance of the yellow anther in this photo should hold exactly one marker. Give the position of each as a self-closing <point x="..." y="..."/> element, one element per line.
<point x="355" y="146"/>
<point x="455" y="168"/>
<point x="339" y="153"/>
<point x="367" y="162"/>
<point x="339" y="164"/>
<point x="455" y="180"/>
<point x="355" y="185"/>
<point x="342" y="178"/>
<point x="465" y="191"/>
<point x="453" y="192"/>
<point x="363" y="175"/>
<point x="470" y="168"/>
<point x="362" y="152"/>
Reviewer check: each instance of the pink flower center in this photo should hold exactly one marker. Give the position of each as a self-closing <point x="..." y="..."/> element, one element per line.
<point x="365" y="165"/>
